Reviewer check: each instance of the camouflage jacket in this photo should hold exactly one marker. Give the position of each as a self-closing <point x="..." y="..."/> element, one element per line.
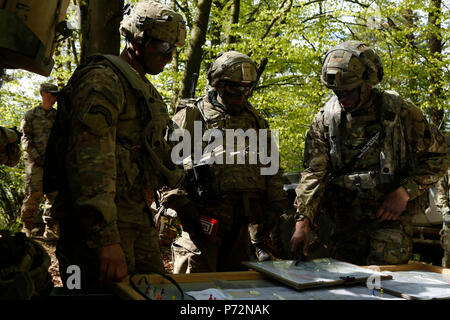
<point x="418" y="163"/>
<point x="9" y="148"/>
<point x="214" y="116"/>
<point x="443" y="195"/>
<point x="36" y="126"/>
<point x="110" y="118"/>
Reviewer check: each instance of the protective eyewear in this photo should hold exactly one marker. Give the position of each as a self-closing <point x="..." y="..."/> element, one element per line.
<point x="238" y="87"/>
<point x="164" y="47"/>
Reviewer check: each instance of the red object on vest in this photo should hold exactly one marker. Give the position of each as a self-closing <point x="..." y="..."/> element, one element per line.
<point x="209" y="225"/>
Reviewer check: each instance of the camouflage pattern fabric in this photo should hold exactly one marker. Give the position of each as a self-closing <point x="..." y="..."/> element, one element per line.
<point x="350" y="64"/>
<point x="139" y="243"/>
<point x="354" y="208"/>
<point x="24" y="267"/>
<point x="9" y="149"/>
<point x="36" y="127"/>
<point x="153" y="20"/>
<point x="33" y="197"/>
<point x="240" y="214"/>
<point x="106" y="173"/>
<point x="232" y="66"/>
<point x="443" y="205"/>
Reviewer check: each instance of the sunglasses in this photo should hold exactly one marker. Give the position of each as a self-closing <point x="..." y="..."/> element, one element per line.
<point x="164" y="47"/>
<point x="238" y="87"/>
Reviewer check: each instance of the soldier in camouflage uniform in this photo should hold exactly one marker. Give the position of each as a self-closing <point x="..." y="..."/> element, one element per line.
<point x="108" y="147"/>
<point x="236" y="195"/>
<point x="370" y="157"/>
<point x="443" y="206"/>
<point x="9" y="146"/>
<point x="36" y="126"/>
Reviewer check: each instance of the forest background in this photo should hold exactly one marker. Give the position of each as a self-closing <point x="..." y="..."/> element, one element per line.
<point x="286" y="38"/>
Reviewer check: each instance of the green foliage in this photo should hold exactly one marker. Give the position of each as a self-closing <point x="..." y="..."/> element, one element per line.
<point x="11" y="197"/>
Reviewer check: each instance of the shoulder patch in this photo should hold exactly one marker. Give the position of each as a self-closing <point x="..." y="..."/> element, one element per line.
<point x="97" y="109"/>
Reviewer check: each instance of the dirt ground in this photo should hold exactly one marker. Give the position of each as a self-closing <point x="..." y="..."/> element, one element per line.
<point x="54" y="269"/>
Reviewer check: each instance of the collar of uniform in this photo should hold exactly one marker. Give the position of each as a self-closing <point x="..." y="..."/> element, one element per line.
<point x="43" y="111"/>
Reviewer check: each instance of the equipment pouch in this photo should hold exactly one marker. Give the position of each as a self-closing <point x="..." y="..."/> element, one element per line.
<point x="357" y="181"/>
<point x="237" y="178"/>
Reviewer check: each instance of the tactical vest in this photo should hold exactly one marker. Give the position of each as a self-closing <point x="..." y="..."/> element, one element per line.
<point x="162" y="169"/>
<point x="40" y="122"/>
<point x="233" y="178"/>
<point x="137" y="140"/>
<point x="392" y="154"/>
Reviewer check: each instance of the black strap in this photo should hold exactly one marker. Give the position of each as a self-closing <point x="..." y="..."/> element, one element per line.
<point x="370" y="142"/>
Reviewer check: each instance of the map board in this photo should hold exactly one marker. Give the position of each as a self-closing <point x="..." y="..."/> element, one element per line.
<point x="423" y="285"/>
<point x="314" y="273"/>
<point x="324" y="279"/>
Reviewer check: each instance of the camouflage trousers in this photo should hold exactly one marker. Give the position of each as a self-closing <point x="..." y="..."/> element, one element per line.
<point x="34" y="196"/>
<point x="242" y="221"/>
<point x="223" y="252"/>
<point x="260" y="219"/>
<point x="139" y="243"/>
<point x="445" y="240"/>
<point x="359" y="238"/>
<point x="373" y="243"/>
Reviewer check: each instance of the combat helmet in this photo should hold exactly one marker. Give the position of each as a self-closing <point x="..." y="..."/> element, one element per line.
<point x="150" y="19"/>
<point x="232" y="66"/>
<point x="350" y="64"/>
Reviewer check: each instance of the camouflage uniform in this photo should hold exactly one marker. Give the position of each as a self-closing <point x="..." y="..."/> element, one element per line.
<point x="9" y="147"/>
<point x="36" y="126"/>
<point x="410" y="153"/>
<point x="245" y="206"/>
<point x="443" y="206"/>
<point x="109" y="148"/>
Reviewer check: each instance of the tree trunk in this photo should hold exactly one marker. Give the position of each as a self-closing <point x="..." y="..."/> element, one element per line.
<point x="215" y="31"/>
<point x="100" y="21"/>
<point x="175" y="67"/>
<point x="435" y="45"/>
<point x="234" y="19"/>
<point x="194" y="51"/>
